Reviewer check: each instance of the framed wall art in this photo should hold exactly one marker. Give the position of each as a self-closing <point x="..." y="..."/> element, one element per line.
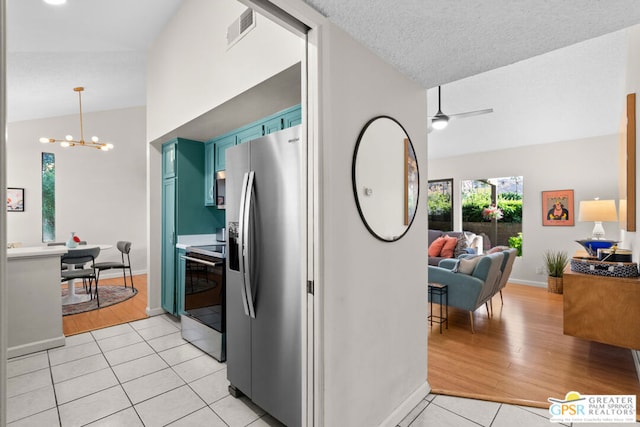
<point x="15" y="199"/>
<point x="557" y="208"/>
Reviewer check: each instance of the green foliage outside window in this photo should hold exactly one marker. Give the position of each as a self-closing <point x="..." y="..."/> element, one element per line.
<point x="474" y="203"/>
<point x="48" y="197"/>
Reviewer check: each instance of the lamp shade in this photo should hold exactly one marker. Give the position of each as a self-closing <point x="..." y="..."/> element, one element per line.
<point x="598" y="210"/>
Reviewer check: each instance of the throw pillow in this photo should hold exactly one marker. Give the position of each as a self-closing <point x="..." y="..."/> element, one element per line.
<point x="448" y="247"/>
<point x="436" y="246"/>
<point x="461" y="247"/>
<point x="466" y="265"/>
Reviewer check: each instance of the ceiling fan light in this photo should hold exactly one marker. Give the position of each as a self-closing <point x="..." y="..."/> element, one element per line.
<point x="440" y="122"/>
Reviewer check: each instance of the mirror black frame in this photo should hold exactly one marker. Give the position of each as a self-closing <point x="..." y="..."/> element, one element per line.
<point x="355" y="188"/>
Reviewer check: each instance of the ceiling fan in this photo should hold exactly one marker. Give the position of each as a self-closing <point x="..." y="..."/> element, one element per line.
<point x="441" y="120"/>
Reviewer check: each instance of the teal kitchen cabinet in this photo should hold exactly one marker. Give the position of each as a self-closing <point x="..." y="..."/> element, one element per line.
<point x="169" y="160"/>
<point x="273" y="125"/>
<point x="209" y="173"/>
<point x="183" y="212"/>
<point x="249" y="133"/>
<point x="168" y="244"/>
<point x="292" y="117"/>
<point x="181" y="267"/>
<point x="221" y="146"/>
<point x="215" y="148"/>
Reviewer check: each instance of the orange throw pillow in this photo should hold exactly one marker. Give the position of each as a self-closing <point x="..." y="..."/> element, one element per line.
<point x="448" y="247"/>
<point x="436" y="246"/>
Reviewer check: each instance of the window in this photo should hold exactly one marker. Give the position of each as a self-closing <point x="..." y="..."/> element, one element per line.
<point x="492" y="207"/>
<point x="440" y="201"/>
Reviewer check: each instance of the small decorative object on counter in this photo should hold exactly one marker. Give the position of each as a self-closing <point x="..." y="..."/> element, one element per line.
<point x="73" y="240"/>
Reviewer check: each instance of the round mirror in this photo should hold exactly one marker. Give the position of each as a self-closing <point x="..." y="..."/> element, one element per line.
<point x="385" y="178"/>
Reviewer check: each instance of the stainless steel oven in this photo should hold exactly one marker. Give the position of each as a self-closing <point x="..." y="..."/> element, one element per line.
<point x="203" y="321"/>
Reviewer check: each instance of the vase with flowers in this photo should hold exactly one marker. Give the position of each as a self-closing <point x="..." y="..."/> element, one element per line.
<point x="73" y="240"/>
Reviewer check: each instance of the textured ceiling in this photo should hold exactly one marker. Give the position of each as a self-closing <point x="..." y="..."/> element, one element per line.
<point x="102" y="45"/>
<point x="438" y="41"/>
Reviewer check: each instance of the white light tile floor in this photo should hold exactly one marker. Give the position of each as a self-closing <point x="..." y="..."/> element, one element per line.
<point x="144" y="374"/>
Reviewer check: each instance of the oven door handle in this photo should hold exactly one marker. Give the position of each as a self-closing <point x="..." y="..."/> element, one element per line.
<point x="247" y="250"/>
<point x="199" y="261"/>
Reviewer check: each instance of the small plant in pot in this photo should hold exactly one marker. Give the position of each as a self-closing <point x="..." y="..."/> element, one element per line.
<point x="555" y="263"/>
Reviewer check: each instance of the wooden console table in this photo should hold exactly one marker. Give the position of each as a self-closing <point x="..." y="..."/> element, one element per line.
<point x="602" y="309"/>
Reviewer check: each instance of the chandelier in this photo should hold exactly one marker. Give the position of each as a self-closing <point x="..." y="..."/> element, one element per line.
<point x="68" y="141"/>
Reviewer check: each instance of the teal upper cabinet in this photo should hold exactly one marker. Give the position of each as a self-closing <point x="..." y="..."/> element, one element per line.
<point x="220" y="146"/>
<point x="273" y="125"/>
<point x="292" y="117"/>
<point x="169" y="160"/>
<point x="209" y="172"/>
<point x="216" y="148"/>
<point x="250" y="132"/>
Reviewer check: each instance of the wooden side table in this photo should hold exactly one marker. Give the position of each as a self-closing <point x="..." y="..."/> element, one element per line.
<point x="439" y="290"/>
<point x="602" y="309"/>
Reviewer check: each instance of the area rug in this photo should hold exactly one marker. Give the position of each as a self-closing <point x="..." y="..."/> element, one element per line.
<point x="109" y="295"/>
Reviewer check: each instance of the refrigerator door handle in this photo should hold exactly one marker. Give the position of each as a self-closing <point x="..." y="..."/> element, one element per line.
<point x="242" y="230"/>
<point x="245" y="243"/>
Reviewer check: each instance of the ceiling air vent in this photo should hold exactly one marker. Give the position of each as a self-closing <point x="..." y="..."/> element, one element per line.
<point x="240" y="27"/>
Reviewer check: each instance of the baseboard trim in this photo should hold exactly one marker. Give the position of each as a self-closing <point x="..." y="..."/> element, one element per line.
<point x="115" y="273"/>
<point x="155" y="311"/>
<point x="34" y="347"/>
<point x="636" y="361"/>
<point x="528" y="283"/>
<point x="407" y="406"/>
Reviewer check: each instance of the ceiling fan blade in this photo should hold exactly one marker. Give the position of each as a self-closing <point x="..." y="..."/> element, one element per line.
<point x="470" y="113"/>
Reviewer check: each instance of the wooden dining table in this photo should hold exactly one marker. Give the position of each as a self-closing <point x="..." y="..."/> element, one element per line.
<point x="72" y="297"/>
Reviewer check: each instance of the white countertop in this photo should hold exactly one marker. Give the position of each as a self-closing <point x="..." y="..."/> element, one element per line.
<point x="197" y="240"/>
<point x="36" y="251"/>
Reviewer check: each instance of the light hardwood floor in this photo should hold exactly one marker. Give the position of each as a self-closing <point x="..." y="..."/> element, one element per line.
<point x="126" y="311"/>
<point x="521" y="356"/>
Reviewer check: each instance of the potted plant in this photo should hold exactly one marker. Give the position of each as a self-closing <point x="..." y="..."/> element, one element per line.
<point x="555" y="263"/>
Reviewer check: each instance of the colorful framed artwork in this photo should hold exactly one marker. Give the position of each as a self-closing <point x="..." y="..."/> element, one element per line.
<point x="557" y="208"/>
<point x="15" y="199"/>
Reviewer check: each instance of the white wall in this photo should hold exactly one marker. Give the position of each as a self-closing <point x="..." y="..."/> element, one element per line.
<point x="373" y="294"/>
<point x="191" y="71"/>
<point x="101" y="196"/>
<point x="588" y="166"/>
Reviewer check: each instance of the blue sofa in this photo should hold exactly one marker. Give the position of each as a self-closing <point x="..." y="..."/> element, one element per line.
<point x="469" y="291"/>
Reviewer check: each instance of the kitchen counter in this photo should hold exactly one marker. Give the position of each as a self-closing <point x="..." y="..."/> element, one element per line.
<point x="197" y="240"/>
<point x="35" y="306"/>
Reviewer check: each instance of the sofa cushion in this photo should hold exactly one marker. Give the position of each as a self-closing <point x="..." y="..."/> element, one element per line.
<point x="448" y="247"/>
<point x="466" y="265"/>
<point x="436" y="246"/>
<point x="433" y="235"/>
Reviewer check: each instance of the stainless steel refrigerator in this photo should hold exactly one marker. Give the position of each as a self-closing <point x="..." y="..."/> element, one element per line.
<point x="264" y="273"/>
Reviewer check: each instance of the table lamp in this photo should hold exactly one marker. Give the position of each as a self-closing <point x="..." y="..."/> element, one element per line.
<point x="598" y="211"/>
